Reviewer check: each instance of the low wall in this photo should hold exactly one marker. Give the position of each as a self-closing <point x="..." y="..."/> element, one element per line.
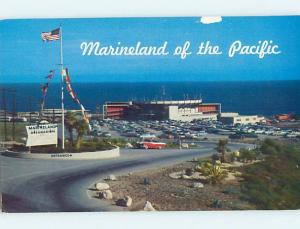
<point x="66" y="156"/>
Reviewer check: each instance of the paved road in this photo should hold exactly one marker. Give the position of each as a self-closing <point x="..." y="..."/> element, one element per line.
<point x="50" y="185"/>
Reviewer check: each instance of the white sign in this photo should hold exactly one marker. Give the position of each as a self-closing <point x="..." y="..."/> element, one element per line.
<point x="45" y="134"/>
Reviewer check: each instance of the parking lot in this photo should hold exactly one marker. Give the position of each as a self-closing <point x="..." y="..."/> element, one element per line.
<point x="176" y="131"/>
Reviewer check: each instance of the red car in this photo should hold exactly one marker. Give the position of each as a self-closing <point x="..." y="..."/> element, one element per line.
<point x="151" y="145"/>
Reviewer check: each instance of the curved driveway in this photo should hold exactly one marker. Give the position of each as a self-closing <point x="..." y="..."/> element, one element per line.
<point x="51" y="186"/>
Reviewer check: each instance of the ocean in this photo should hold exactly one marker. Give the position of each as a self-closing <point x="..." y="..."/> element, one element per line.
<point x="263" y="98"/>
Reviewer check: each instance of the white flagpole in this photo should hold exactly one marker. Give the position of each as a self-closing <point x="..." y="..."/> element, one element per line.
<point x="62" y="90"/>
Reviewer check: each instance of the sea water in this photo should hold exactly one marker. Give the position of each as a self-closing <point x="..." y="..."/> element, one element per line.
<point x="263" y="98"/>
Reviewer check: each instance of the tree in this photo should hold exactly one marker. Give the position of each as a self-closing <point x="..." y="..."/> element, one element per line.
<point x="70" y="121"/>
<point x="222" y="148"/>
<point x="81" y="127"/>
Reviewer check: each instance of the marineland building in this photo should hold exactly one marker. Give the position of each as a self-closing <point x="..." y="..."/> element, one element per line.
<point x="181" y="110"/>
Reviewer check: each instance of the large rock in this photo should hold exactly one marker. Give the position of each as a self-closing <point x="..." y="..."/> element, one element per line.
<point x="198" y="185"/>
<point x="106" y="194"/>
<point x="176" y="175"/>
<point x="124" y="202"/>
<point x="148" y="206"/>
<point x="101" y="186"/>
<point x="196" y="175"/>
<point x="129" y="145"/>
<point x="111" y="177"/>
<point x="184" y="145"/>
<point x="203" y="178"/>
<point x="185" y="177"/>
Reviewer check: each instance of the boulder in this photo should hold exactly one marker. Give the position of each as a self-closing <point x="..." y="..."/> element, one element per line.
<point x="196" y="175"/>
<point x="124" y="202"/>
<point x="101" y="186"/>
<point x="129" y="145"/>
<point x="176" y="175"/>
<point x="204" y="178"/>
<point x="184" y="145"/>
<point x="198" y="185"/>
<point x="185" y="176"/>
<point x="111" y="177"/>
<point x="106" y="194"/>
<point x="148" y="206"/>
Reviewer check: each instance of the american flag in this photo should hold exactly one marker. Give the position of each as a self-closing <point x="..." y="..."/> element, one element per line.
<point x="51" y="36"/>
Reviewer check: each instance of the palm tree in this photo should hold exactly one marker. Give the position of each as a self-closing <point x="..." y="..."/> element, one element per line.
<point x="70" y="121"/>
<point x="222" y="148"/>
<point x="81" y="127"/>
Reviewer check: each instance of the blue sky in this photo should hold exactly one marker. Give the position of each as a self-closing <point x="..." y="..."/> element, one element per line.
<point x="25" y="58"/>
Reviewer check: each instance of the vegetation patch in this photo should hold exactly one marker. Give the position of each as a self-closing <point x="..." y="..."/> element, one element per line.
<point x="274" y="183"/>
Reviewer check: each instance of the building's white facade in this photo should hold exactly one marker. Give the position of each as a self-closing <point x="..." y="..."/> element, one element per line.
<point x="235" y="118"/>
<point x="189" y="114"/>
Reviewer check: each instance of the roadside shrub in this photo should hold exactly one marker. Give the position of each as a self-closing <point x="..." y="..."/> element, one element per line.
<point x="274" y="183"/>
<point x="204" y="167"/>
<point x="216" y="203"/>
<point x="216" y="174"/>
<point x="246" y="155"/>
<point x="117" y="142"/>
<point x="270" y="147"/>
<point x="172" y="145"/>
<point x="213" y="171"/>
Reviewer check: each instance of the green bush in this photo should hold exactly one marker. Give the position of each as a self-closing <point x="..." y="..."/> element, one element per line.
<point x="247" y="155"/>
<point x="274" y="183"/>
<point x="270" y="147"/>
<point x="213" y="171"/>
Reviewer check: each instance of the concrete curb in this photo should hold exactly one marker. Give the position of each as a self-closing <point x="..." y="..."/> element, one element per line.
<point x="66" y="156"/>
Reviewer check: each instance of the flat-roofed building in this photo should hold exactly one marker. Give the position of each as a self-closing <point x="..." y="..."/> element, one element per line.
<point x="232" y="118"/>
<point x="181" y="110"/>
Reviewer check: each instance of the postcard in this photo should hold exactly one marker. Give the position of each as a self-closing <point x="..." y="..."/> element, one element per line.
<point x="150" y="114"/>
